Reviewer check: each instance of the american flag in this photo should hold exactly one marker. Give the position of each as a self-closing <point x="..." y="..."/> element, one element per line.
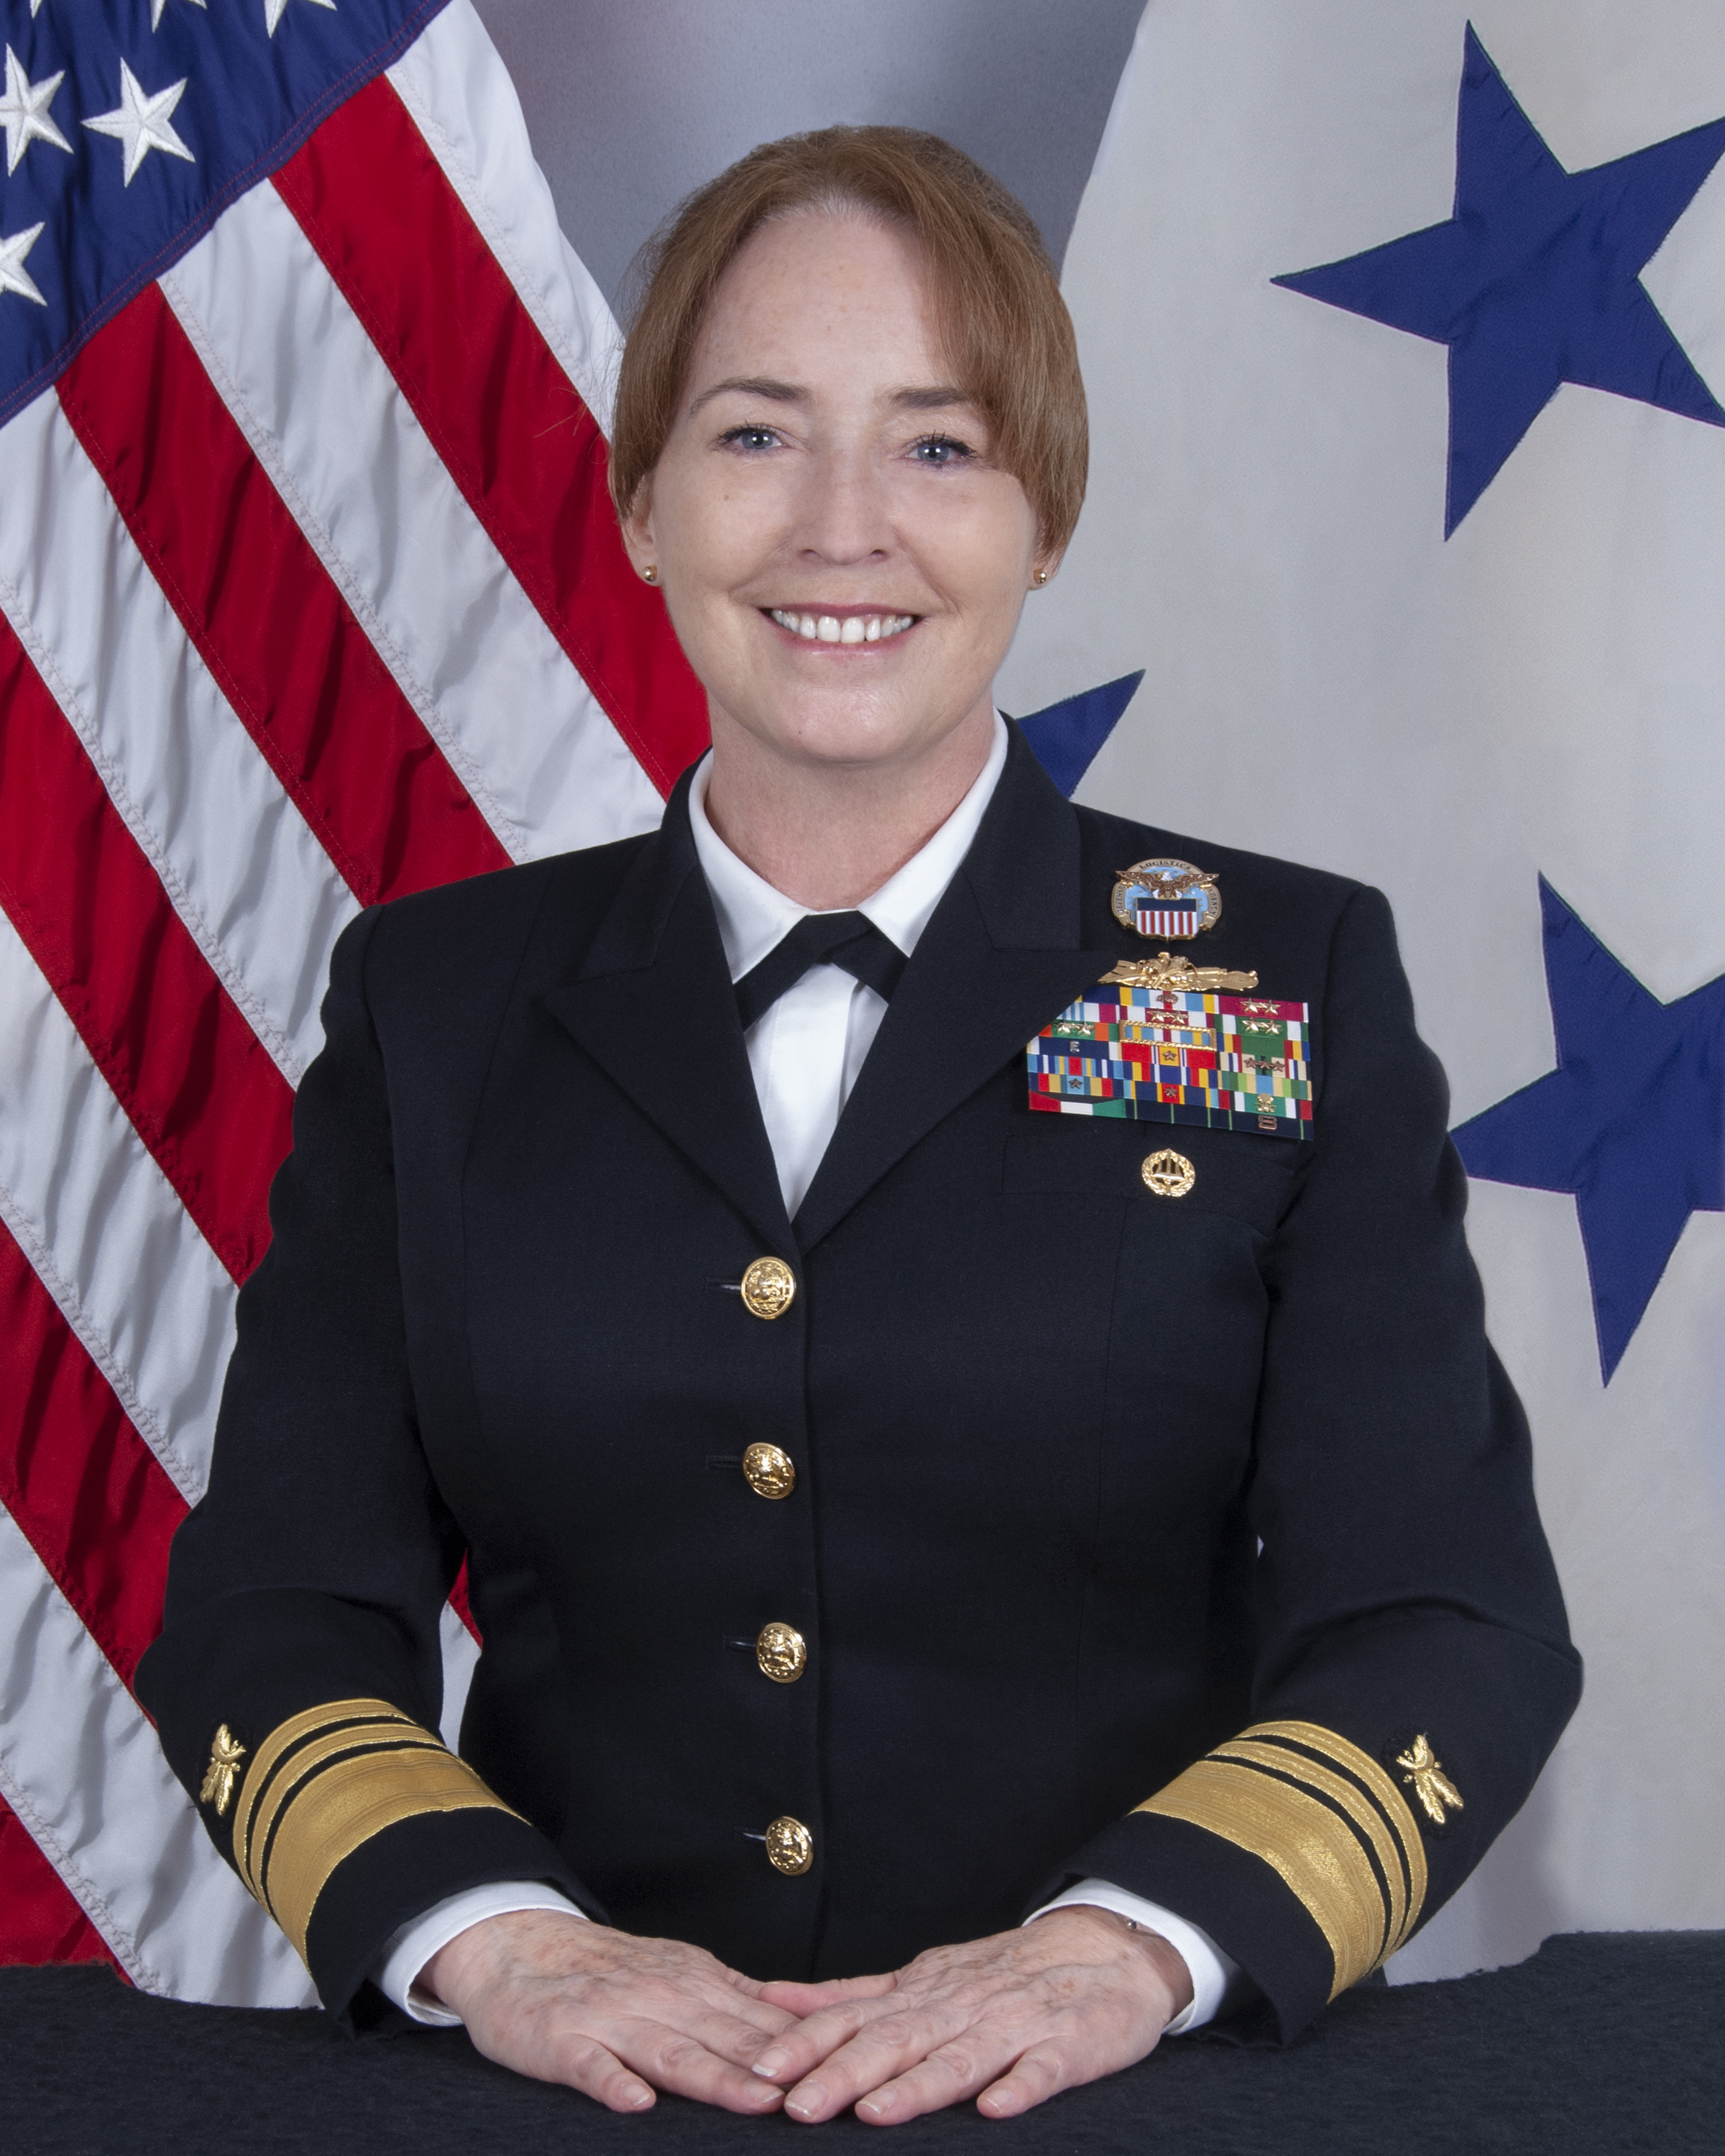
<point x="310" y="595"/>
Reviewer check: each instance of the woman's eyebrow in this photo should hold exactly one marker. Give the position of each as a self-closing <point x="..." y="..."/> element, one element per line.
<point x="936" y="399"/>
<point x="752" y="385"/>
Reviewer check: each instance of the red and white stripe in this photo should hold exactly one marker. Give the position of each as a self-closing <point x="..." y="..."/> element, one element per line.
<point x="310" y="595"/>
<point x="1165" y="920"/>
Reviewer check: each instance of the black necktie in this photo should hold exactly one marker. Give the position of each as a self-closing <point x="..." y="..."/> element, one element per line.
<point x="848" y="940"/>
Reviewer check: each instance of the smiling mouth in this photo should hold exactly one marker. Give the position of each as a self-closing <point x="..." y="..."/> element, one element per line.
<point x="818" y="627"/>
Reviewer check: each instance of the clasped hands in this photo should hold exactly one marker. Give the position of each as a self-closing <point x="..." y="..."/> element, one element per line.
<point x="1010" y="2020"/>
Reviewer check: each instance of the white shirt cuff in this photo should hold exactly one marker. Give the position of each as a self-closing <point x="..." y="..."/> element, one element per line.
<point x="1211" y="1970"/>
<point x="396" y="1971"/>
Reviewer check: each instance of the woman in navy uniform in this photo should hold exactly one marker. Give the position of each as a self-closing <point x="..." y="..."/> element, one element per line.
<point x="965" y="1588"/>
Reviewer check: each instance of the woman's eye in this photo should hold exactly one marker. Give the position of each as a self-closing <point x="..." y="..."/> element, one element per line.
<point x="749" y="438"/>
<point x="940" y="450"/>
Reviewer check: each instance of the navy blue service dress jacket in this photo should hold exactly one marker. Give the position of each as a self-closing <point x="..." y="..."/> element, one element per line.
<point x="1164" y="1539"/>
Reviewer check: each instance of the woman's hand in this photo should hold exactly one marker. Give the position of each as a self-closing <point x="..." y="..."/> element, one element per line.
<point x="1010" y="2021"/>
<point x="615" y="2016"/>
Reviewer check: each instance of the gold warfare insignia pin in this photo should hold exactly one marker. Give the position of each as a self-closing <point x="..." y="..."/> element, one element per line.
<point x="1164" y="972"/>
<point x="1167" y="899"/>
<point x="1432" y="1786"/>
<point x="222" y="1772"/>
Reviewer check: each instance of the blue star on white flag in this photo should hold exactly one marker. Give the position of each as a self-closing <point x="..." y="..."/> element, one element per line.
<point x="1631" y="1123"/>
<point x="1535" y="280"/>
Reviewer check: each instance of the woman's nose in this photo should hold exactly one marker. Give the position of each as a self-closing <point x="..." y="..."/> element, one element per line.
<point x="842" y="514"/>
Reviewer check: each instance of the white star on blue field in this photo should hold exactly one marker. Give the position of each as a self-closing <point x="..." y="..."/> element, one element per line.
<point x="1535" y="280"/>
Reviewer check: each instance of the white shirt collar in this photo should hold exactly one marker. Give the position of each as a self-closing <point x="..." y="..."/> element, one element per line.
<point x="754" y="916"/>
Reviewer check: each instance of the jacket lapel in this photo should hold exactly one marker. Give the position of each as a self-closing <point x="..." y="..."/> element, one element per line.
<point x="654" y="1006"/>
<point x="1000" y="957"/>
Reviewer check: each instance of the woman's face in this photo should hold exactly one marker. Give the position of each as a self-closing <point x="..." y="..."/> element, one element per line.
<point x="844" y="563"/>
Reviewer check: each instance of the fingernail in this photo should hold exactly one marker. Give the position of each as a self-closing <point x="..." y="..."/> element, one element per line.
<point x="771" y="2064"/>
<point x="808" y="2099"/>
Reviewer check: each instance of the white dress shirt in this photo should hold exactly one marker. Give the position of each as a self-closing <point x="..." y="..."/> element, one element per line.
<point x="805" y="1053"/>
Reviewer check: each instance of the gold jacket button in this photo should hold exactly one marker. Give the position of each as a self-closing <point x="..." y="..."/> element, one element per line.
<point x="1168" y="1173"/>
<point x="790" y="1847"/>
<point x="769" y="1472"/>
<point x="769" y="1288"/>
<point x="782" y="1651"/>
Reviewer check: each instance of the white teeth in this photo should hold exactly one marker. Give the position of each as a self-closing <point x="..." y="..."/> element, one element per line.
<point x="854" y="628"/>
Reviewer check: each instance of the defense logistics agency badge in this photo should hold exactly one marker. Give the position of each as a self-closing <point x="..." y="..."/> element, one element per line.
<point x="1171" y="900"/>
<point x="1171" y="1055"/>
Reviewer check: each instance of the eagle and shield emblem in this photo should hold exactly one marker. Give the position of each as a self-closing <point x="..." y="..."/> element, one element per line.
<point x="1167" y="899"/>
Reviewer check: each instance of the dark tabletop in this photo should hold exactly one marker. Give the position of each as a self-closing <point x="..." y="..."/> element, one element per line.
<point x="1606" y="2042"/>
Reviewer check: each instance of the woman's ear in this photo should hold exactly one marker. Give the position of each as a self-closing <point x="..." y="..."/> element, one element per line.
<point x="637" y="534"/>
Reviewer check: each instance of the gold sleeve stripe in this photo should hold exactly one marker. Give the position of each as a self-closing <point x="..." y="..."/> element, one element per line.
<point x="323" y="1783"/>
<point x="281" y="1741"/>
<point x="311" y="1758"/>
<point x="1334" y="1828"/>
<point x="1366" y="1821"/>
<point x="1296" y="1835"/>
<point x="345" y="1806"/>
<point x="1392" y="1805"/>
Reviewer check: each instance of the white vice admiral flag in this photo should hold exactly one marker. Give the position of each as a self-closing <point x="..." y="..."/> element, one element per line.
<point x="1424" y="551"/>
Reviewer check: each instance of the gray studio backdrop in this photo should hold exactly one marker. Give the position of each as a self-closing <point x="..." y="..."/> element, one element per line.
<point x="631" y="103"/>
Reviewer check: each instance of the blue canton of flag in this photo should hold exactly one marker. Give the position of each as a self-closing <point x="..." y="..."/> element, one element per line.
<point x="131" y="123"/>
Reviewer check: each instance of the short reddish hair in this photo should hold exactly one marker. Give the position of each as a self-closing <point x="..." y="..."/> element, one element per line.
<point x="1001" y="318"/>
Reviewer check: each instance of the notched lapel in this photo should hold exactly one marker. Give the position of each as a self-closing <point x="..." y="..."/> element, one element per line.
<point x="654" y="1007"/>
<point x="999" y="959"/>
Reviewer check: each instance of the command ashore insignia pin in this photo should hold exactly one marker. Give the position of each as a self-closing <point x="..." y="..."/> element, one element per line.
<point x="1168" y="1173"/>
<point x="1161" y="1041"/>
<point x="222" y="1772"/>
<point x="1166" y="898"/>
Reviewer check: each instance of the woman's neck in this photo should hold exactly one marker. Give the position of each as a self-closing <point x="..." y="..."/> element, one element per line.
<point x="827" y="834"/>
